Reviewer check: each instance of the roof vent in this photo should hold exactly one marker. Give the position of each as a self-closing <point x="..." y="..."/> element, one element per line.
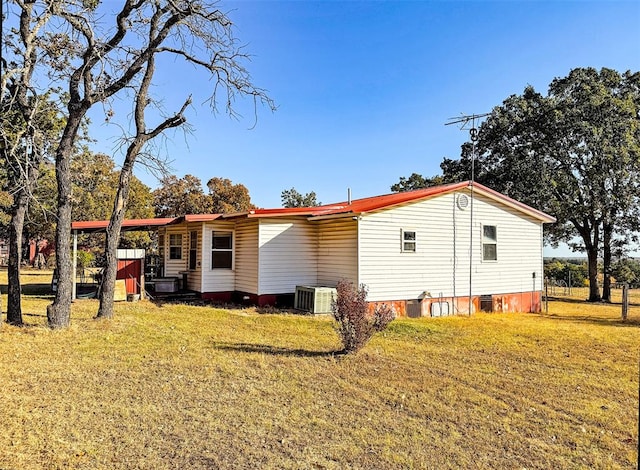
<point x="462" y="201"/>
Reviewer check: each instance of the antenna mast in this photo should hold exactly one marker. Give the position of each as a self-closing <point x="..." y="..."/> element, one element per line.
<point x="469" y="122"/>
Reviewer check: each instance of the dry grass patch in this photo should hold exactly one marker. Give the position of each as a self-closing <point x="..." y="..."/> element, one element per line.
<point x="173" y="386"/>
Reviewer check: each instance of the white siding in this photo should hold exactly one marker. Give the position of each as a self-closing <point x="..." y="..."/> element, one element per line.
<point x="194" y="277"/>
<point x="172" y="267"/>
<point x="246" y="256"/>
<point x="519" y="251"/>
<point x="440" y="265"/>
<point x="337" y="251"/>
<point x="216" y="280"/>
<point x="288" y="255"/>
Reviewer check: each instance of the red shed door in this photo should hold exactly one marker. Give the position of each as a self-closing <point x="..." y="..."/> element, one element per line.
<point x="129" y="270"/>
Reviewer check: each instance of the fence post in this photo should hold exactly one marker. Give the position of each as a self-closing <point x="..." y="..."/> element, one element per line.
<point x="625" y="301"/>
<point x="546" y="295"/>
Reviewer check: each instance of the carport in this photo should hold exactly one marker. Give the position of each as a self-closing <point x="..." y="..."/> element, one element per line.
<point x="100" y="226"/>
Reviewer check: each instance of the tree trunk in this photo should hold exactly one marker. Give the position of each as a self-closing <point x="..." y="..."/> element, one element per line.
<point x="606" y="261"/>
<point x="105" y="310"/>
<point x="14" y="304"/>
<point x="589" y="230"/>
<point x="59" y="312"/>
<point x="124" y="183"/>
<point x="594" y="289"/>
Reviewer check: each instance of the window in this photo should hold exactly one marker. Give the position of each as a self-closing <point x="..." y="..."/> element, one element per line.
<point x="175" y="246"/>
<point x="489" y="243"/>
<point x="222" y="250"/>
<point x="408" y="241"/>
<point x="193" y="250"/>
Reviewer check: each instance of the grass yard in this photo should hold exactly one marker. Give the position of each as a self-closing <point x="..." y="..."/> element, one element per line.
<point x="176" y="386"/>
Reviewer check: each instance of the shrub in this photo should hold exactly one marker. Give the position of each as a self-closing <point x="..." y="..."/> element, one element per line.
<point x="51" y="261"/>
<point x="356" y="324"/>
<point x="85" y="259"/>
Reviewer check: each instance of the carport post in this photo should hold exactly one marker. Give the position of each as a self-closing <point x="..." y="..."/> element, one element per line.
<point x="75" y="261"/>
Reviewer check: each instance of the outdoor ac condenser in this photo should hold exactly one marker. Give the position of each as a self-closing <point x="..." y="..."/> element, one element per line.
<point x="314" y="299"/>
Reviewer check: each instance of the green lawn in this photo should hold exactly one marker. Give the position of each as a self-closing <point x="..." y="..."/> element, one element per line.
<point x="176" y="386"/>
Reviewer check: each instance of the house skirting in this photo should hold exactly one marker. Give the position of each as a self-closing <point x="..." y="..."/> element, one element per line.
<point x="518" y="302"/>
<point x="274" y="300"/>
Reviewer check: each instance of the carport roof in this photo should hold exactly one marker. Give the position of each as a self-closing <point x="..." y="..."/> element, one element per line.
<point x="128" y="225"/>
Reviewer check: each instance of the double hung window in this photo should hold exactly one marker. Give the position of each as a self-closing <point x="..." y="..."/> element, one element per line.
<point x="222" y="250"/>
<point x="175" y="246"/>
<point x="408" y="240"/>
<point x="489" y="243"/>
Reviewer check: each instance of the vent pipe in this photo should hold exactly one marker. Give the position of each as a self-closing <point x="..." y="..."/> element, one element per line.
<point x="349" y="196"/>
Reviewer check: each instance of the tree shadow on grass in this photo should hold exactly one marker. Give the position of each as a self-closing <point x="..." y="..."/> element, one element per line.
<point x="26" y="324"/>
<point x="595" y="320"/>
<point x="40" y="291"/>
<point x="570" y="300"/>
<point x="274" y="350"/>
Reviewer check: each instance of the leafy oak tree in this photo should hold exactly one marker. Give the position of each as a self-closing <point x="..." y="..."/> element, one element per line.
<point x="416" y="181"/>
<point x="227" y="197"/>
<point x="292" y="198"/>
<point x="574" y="153"/>
<point x="94" y="180"/>
<point x="179" y="196"/>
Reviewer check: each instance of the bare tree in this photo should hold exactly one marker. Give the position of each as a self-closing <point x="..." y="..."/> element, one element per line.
<point x="213" y="30"/>
<point x="27" y="123"/>
<point x="95" y="61"/>
<point x="142" y="136"/>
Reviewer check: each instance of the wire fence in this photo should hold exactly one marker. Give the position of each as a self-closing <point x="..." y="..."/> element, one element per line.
<point x="581" y="294"/>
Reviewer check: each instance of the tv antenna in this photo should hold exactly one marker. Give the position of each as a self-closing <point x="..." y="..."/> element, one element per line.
<point x="469" y="122"/>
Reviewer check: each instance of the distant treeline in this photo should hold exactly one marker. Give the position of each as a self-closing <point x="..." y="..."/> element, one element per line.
<point x="573" y="272"/>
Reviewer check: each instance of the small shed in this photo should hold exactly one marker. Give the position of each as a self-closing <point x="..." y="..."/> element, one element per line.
<point x="131" y="269"/>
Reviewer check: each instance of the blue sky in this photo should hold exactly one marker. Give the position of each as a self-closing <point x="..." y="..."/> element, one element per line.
<point x="364" y="89"/>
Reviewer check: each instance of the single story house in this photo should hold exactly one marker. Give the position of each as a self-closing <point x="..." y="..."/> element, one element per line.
<point x="450" y="249"/>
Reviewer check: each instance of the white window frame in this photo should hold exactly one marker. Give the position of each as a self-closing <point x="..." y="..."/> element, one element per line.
<point x="488" y="241"/>
<point x="175" y="245"/>
<point x="161" y="241"/>
<point x="405" y="242"/>
<point x="193" y="250"/>
<point x="231" y="234"/>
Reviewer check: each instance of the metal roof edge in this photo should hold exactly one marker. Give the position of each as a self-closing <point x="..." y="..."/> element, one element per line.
<point x="100" y="225"/>
<point x="522" y="207"/>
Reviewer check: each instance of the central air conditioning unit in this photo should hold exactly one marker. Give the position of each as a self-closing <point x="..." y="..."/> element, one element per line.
<point x="314" y="299"/>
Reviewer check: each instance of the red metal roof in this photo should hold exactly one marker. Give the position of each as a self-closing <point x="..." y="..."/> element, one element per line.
<point x="356" y="207"/>
<point x="196" y="218"/>
<point x="495" y="195"/>
<point x="127" y="224"/>
<point x="368" y="204"/>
